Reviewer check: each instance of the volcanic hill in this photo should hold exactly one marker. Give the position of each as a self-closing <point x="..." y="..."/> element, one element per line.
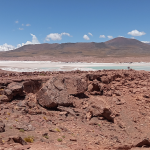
<point x="117" y="47"/>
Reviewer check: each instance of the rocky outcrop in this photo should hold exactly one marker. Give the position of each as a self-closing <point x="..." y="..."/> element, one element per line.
<point x="58" y="91"/>
<point x="14" y="89"/>
<point x="19" y="90"/>
<point x="81" y="110"/>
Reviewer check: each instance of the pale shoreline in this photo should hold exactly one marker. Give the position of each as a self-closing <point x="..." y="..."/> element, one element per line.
<point x="78" y="58"/>
<point x="31" y="66"/>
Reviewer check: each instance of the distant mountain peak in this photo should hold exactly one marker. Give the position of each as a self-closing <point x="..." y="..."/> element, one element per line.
<point x="122" y="41"/>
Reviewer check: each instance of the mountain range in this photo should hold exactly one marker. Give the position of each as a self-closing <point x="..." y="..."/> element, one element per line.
<point x="117" y="47"/>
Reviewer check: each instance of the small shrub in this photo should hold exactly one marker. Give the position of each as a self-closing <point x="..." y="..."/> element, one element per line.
<point x="72" y="134"/>
<point x="63" y="136"/>
<point x="42" y="74"/>
<point x="29" y="139"/>
<point x="46" y="136"/>
<point x="99" y="125"/>
<point x="59" y="140"/>
<point x="78" y="71"/>
<point x="8" y="114"/>
<point x="58" y="130"/>
<point x="45" y="118"/>
<point x="21" y="130"/>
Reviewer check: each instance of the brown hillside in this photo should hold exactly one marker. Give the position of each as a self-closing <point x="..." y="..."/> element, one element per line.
<point x="117" y="47"/>
<point x="127" y="47"/>
<point x="121" y="41"/>
<point x="64" y="49"/>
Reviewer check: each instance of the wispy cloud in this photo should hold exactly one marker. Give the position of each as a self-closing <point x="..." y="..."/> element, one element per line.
<point x="7" y="47"/>
<point x="90" y="34"/>
<point x="102" y="36"/>
<point x="21" y="28"/>
<point x="86" y="37"/>
<point x="56" y="36"/>
<point x="136" y="33"/>
<point x="110" y="37"/>
<point x="145" y="41"/>
<point x="28" y="25"/>
<point x="17" y="21"/>
<point x="34" y="41"/>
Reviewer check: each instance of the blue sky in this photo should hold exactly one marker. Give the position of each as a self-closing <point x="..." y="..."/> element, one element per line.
<point x="62" y="21"/>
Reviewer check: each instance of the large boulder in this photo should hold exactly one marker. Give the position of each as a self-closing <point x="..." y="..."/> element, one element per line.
<point x="14" y="89"/>
<point x="59" y="90"/>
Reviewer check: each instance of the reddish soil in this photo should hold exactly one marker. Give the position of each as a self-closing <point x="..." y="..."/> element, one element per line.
<point x="75" y="110"/>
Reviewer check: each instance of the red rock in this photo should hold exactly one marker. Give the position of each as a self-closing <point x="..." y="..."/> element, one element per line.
<point x="105" y="79"/>
<point x="15" y="87"/>
<point x="57" y="91"/>
<point x="16" y="140"/>
<point x="3" y="99"/>
<point x="32" y="86"/>
<point x="2" y="126"/>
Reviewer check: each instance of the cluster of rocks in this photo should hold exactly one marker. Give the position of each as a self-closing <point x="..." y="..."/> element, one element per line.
<point x="76" y="110"/>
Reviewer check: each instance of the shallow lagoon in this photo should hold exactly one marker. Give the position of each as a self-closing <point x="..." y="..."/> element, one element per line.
<point x="146" y="68"/>
<point x="29" y="66"/>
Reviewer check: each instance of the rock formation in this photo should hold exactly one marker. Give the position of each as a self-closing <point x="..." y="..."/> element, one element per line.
<point x="106" y="109"/>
